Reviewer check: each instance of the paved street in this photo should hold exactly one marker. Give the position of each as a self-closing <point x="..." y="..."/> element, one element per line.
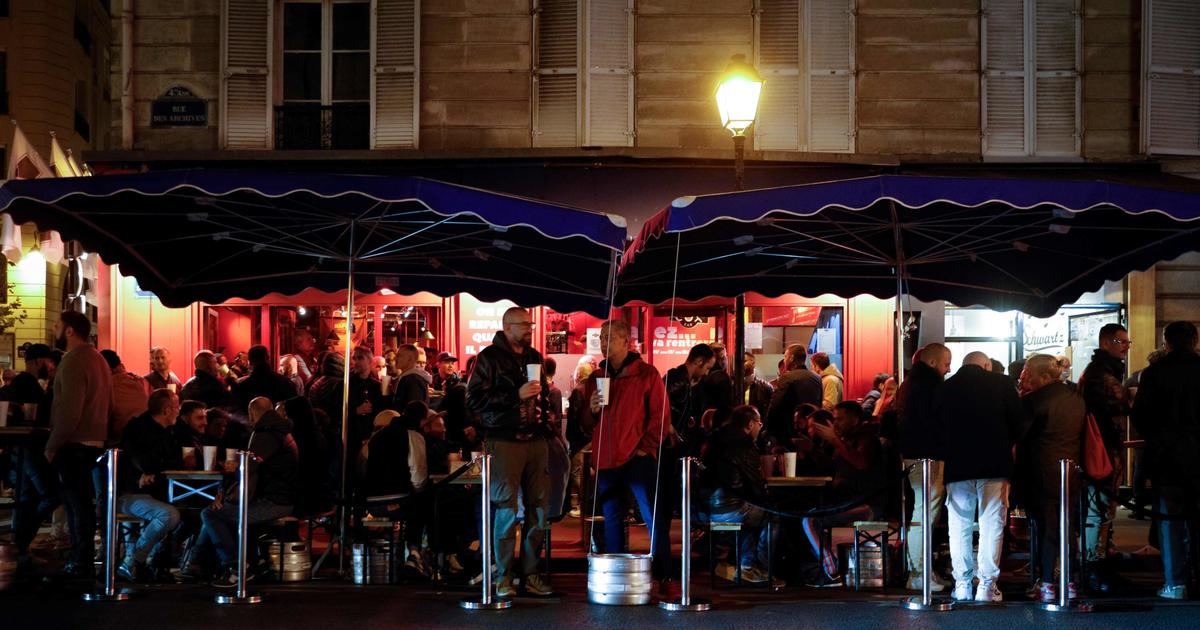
<point x="338" y="605"/>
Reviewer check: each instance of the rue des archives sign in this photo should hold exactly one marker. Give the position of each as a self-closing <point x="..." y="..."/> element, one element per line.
<point x="179" y="107"/>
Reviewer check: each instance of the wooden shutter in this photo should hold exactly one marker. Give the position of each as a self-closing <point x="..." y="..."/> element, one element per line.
<point x="395" y="92"/>
<point x="246" y="72"/>
<point x="1171" y="106"/>
<point x="556" y="74"/>
<point x="777" y="126"/>
<point x="1004" y="78"/>
<point x="830" y="37"/>
<point x="1057" y="84"/>
<point x="609" y="108"/>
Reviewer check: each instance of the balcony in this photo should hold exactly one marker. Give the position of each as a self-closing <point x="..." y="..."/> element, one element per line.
<point x="306" y="126"/>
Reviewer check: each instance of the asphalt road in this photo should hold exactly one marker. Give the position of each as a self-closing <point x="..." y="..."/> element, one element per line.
<point x="330" y="605"/>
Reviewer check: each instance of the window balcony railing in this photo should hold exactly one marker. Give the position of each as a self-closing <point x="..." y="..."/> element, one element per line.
<point x="305" y="126"/>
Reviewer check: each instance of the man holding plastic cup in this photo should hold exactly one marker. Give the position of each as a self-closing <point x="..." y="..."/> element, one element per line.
<point x="630" y="414"/>
<point x="508" y="393"/>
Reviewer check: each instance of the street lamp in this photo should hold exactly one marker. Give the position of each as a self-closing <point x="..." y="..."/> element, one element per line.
<point x="737" y="101"/>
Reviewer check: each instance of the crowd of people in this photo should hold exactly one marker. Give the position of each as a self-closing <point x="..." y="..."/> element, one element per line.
<point x="995" y="442"/>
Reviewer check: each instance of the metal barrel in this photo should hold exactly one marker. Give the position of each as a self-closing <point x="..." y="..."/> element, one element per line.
<point x="290" y="561"/>
<point x="619" y="579"/>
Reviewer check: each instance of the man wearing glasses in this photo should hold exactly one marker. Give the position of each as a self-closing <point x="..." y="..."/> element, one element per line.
<point x="1108" y="401"/>
<point x="513" y="410"/>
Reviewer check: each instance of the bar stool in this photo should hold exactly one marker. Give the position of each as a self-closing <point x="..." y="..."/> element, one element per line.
<point x="713" y="529"/>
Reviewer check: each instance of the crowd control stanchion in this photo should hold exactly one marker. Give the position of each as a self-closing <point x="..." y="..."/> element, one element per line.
<point x="488" y="599"/>
<point x="240" y="596"/>
<point x="110" y="592"/>
<point x="686" y="601"/>
<point x="926" y="601"/>
<point x="1064" y="603"/>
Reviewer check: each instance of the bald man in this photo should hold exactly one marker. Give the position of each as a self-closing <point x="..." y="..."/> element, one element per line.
<point x="514" y="412"/>
<point x="983" y="419"/>
<point x="274" y="476"/>
<point x="921" y="438"/>
<point x="206" y="385"/>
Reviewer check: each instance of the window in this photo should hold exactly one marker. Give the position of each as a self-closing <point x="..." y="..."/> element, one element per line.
<point x="83" y="34"/>
<point x="1031" y="81"/>
<point x="326" y="76"/>
<point x="82" y="126"/>
<point x="3" y="8"/>
<point x="805" y="53"/>
<point x="583" y="73"/>
<point x="1171" y="77"/>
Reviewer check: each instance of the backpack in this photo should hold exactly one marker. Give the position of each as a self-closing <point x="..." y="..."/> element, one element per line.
<point x="1096" y="463"/>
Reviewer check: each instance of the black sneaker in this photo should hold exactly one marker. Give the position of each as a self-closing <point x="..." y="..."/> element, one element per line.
<point x="824" y="581"/>
<point x="228" y="578"/>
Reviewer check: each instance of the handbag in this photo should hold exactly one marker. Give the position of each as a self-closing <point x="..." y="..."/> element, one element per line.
<point x="1096" y="462"/>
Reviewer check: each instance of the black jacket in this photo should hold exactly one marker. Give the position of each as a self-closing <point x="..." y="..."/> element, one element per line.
<point x="795" y="388"/>
<point x="147" y="448"/>
<point x="262" y="381"/>
<point x="1166" y="413"/>
<point x="733" y="472"/>
<point x="718" y="394"/>
<point x="387" y="461"/>
<point x="920" y="428"/>
<point x="760" y="394"/>
<point x="687" y="408"/>
<point x="492" y="392"/>
<point x="275" y="475"/>
<point x="208" y="389"/>
<point x="1103" y="388"/>
<point x="412" y="385"/>
<point x="1056" y="414"/>
<point x="983" y="419"/>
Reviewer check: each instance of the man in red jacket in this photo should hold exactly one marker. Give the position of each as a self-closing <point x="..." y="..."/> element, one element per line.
<point x="627" y="442"/>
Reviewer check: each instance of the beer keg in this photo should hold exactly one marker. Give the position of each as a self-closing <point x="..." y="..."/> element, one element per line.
<point x="619" y="579"/>
<point x="290" y="561"/>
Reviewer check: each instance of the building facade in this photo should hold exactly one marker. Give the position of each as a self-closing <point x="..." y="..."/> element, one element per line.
<point x="608" y="104"/>
<point x="54" y="79"/>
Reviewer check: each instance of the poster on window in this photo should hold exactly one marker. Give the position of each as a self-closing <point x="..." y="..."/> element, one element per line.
<point x="478" y="323"/>
<point x="671" y="340"/>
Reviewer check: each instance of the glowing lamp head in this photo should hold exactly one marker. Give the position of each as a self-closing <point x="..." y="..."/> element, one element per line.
<point x="737" y="95"/>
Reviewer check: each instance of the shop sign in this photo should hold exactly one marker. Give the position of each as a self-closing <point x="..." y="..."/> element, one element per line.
<point x="1046" y="336"/>
<point x="478" y="323"/>
<point x="670" y="341"/>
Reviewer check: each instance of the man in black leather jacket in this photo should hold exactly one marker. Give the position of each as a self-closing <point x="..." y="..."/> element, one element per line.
<point x="513" y="411"/>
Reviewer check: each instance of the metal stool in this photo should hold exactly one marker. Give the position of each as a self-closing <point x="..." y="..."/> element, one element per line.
<point x="391" y="526"/>
<point x="713" y="528"/>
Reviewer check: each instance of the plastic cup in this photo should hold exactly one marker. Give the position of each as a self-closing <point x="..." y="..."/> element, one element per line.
<point x="768" y="465"/>
<point x="602" y="384"/>
<point x="475" y="470"/>
<point x="788" y="464"/>
<point x="534" y="372"/>
<point x="189" y="453"/>
<point x="210" y="458"/>
<point x="455" y="460"/>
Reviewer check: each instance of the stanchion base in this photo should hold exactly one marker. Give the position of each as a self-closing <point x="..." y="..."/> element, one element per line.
<point x="119" y="596"/>
<point x="935" y="605"/>
<point x="234" y="599"/>
<point x="693" y="605"/>
<point x="1072" y="607"/>
<point x="495" y="604"/>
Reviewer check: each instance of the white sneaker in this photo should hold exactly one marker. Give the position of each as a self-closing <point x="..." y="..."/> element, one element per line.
<point x="988" y="592"/>
<point x="916" y="583"/>
<point x="962" y="591"/>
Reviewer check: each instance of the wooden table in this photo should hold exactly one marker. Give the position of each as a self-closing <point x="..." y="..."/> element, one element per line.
<point x="798" y="482"/>
<point x="182" y="484"/>
<point x="461" y="480"/>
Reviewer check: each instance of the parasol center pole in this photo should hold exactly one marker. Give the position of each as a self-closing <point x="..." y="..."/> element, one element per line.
<point x="345" y="516"/>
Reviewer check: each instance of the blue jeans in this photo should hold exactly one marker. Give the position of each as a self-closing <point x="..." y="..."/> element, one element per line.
<point x="640" y="475"/>
<point x="754" y="540"/>
<point x="1175" y="501"/>
<point x="163" y="519"/>
<point x="220" y="526"/>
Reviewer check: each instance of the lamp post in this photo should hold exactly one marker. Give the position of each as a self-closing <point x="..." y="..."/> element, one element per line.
<point x="737" y="102"/>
